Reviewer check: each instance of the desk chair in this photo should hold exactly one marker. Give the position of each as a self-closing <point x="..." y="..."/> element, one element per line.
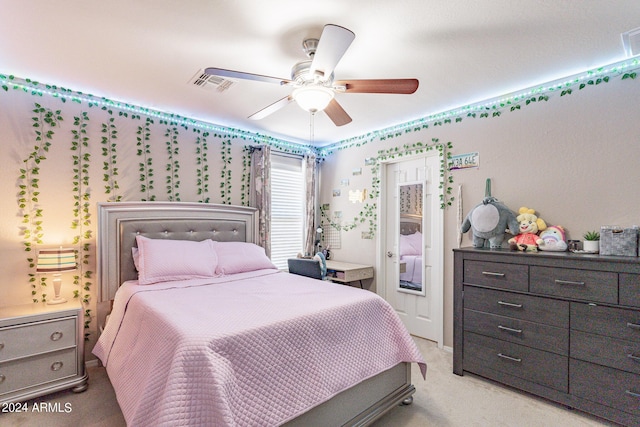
<point x="305" y="267"/>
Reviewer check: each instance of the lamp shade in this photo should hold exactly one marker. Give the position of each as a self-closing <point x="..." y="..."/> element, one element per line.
<point x="56" y="260"/>
<point x="313" y="98"/>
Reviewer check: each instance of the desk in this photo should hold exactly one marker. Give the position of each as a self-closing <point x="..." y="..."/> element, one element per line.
<point x="346" y="272"/>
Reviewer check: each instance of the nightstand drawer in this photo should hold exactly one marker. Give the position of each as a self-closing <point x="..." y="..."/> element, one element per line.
<point x="596" y="286"/>
<point x="488" y="357"/>
<point x="497" y="275"/>
<point x="518" y="306"/>
<point x="531" y="334"/>
<point x="35" y="338"/>
<point x="23" y="373"/>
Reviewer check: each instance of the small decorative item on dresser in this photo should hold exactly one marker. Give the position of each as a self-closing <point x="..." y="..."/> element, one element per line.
<point x="616" y="240"/>
<point x="591" y="241"/>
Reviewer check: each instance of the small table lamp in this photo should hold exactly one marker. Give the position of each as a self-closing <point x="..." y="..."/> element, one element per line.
<point x="56" y="261"/>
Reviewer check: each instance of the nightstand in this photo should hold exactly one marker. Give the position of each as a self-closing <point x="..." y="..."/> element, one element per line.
<point x="41" y="350"/>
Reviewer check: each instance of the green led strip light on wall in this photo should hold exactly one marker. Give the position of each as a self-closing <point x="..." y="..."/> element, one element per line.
<point x="492" y="107"/>
<point x="35" y="88"/>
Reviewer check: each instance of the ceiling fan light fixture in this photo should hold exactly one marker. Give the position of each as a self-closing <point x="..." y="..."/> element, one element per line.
<point x="313" y="98"/>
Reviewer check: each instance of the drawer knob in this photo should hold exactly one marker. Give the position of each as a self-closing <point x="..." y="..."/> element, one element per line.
<point x="569" y="282"/>
<point x="513" y="359"/>
<point x="2" y="378"/>
<point x="510" y="304"/>
<point x="491" y="273"/>
<point x="507" y="329"/>
<point x="56" y="336"/>
<point x="56" y="366"/>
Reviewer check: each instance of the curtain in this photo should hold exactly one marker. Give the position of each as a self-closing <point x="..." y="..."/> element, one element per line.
<point x="260" y="193"/>
<point x="310" y="211"/>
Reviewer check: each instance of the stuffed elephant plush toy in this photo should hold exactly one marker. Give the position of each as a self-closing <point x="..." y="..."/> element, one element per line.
<point x="488" y="222"/>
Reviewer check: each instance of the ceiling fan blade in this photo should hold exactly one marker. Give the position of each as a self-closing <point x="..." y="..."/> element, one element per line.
<point x="337" y="114"/>
<point x="334" y="42"/>
<point x="246" y="76"/>
<point x="272" y="108"/>
<point x="399" y="86"/>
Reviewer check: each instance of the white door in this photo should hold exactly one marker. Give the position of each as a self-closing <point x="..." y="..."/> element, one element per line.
<point x="412" y="244"/>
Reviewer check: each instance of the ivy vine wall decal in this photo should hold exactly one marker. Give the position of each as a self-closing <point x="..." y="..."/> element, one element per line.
<point x="368" y="213"/>
<point x="29" y="195"/>
<point x="82" y="214"/>
<point x="146" y="162"/>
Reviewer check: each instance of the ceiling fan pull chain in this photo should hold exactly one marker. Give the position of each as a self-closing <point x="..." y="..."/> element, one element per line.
<point x="311" y="126"/>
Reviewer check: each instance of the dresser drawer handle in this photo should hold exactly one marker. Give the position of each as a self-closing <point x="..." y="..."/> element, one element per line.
<point x="633" y="325"/>
<point x="569" y="282"/>
<point x="513" y="359"/>
<point x="2" y="378"/>
<point x="489" y="273"/>
<point x="631" y="393"/>
<point x="633" y="357"/>
<point x="56" y="336"/>
<point x="510" y="304"/>
<point x="506" y="328"/>
<point x="56" y="366"/>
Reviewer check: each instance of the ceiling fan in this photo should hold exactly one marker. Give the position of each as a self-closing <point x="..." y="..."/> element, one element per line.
<point x="313" y="83"/>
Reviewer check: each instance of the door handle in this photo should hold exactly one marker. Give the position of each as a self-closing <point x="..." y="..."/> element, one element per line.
<point x="389" y="254"/>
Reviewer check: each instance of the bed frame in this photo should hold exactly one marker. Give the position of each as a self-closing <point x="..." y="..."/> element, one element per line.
<point x="120" y="222"/>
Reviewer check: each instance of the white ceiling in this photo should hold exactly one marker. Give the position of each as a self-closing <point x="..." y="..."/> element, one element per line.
<point x="144" y="52"/>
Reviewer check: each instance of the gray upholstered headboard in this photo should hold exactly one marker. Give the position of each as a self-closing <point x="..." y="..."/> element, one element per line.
<point x="119" y="223"/>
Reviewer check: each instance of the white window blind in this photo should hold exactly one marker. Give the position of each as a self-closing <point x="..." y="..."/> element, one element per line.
<point x="287" y="208"/>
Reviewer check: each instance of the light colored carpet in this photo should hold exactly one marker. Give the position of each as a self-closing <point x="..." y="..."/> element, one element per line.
<point x="443" y="400"/>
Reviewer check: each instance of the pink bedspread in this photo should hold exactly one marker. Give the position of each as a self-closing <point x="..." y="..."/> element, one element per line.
<point x="255" y="348"/>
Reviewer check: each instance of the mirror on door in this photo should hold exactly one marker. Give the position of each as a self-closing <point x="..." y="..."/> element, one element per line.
<point x="411" y="242"/>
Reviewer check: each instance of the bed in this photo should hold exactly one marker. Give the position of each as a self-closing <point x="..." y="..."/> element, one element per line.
<point x="252" y="346"/>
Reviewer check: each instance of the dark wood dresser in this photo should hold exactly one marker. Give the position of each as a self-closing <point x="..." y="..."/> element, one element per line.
<point x="559" y="325"/>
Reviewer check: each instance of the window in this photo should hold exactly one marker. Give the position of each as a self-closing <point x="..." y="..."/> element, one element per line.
<point x="287" y="208"/>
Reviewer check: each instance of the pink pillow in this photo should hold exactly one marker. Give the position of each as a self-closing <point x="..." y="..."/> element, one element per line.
<point x="239" y="257"/>
<point x="411" y="244"/>
<point x="162" y="260"/>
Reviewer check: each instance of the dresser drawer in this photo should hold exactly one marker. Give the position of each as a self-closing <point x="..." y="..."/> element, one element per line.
<point x="630" y="289"/>
<point x="606" y="386"/>
<point x="607" y="351"/>
<point x="496" y="275"/>
<point x="531" y="334"/>
<point x="23" y="373"/>
<point x="608" y="321"/>
<point x="525" y="307"/>
<point x="39" y="337"/>
<point x="596" y="286"/>
<point x="485" y="356"/>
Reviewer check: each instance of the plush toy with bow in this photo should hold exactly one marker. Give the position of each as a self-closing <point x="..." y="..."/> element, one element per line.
<point x="529" y="226"/>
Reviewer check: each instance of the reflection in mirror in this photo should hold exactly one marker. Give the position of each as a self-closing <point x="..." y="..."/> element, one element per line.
<point x="411" y="240"/>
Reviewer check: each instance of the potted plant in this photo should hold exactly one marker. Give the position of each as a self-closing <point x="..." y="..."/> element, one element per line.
<point x="591" y="241"/>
